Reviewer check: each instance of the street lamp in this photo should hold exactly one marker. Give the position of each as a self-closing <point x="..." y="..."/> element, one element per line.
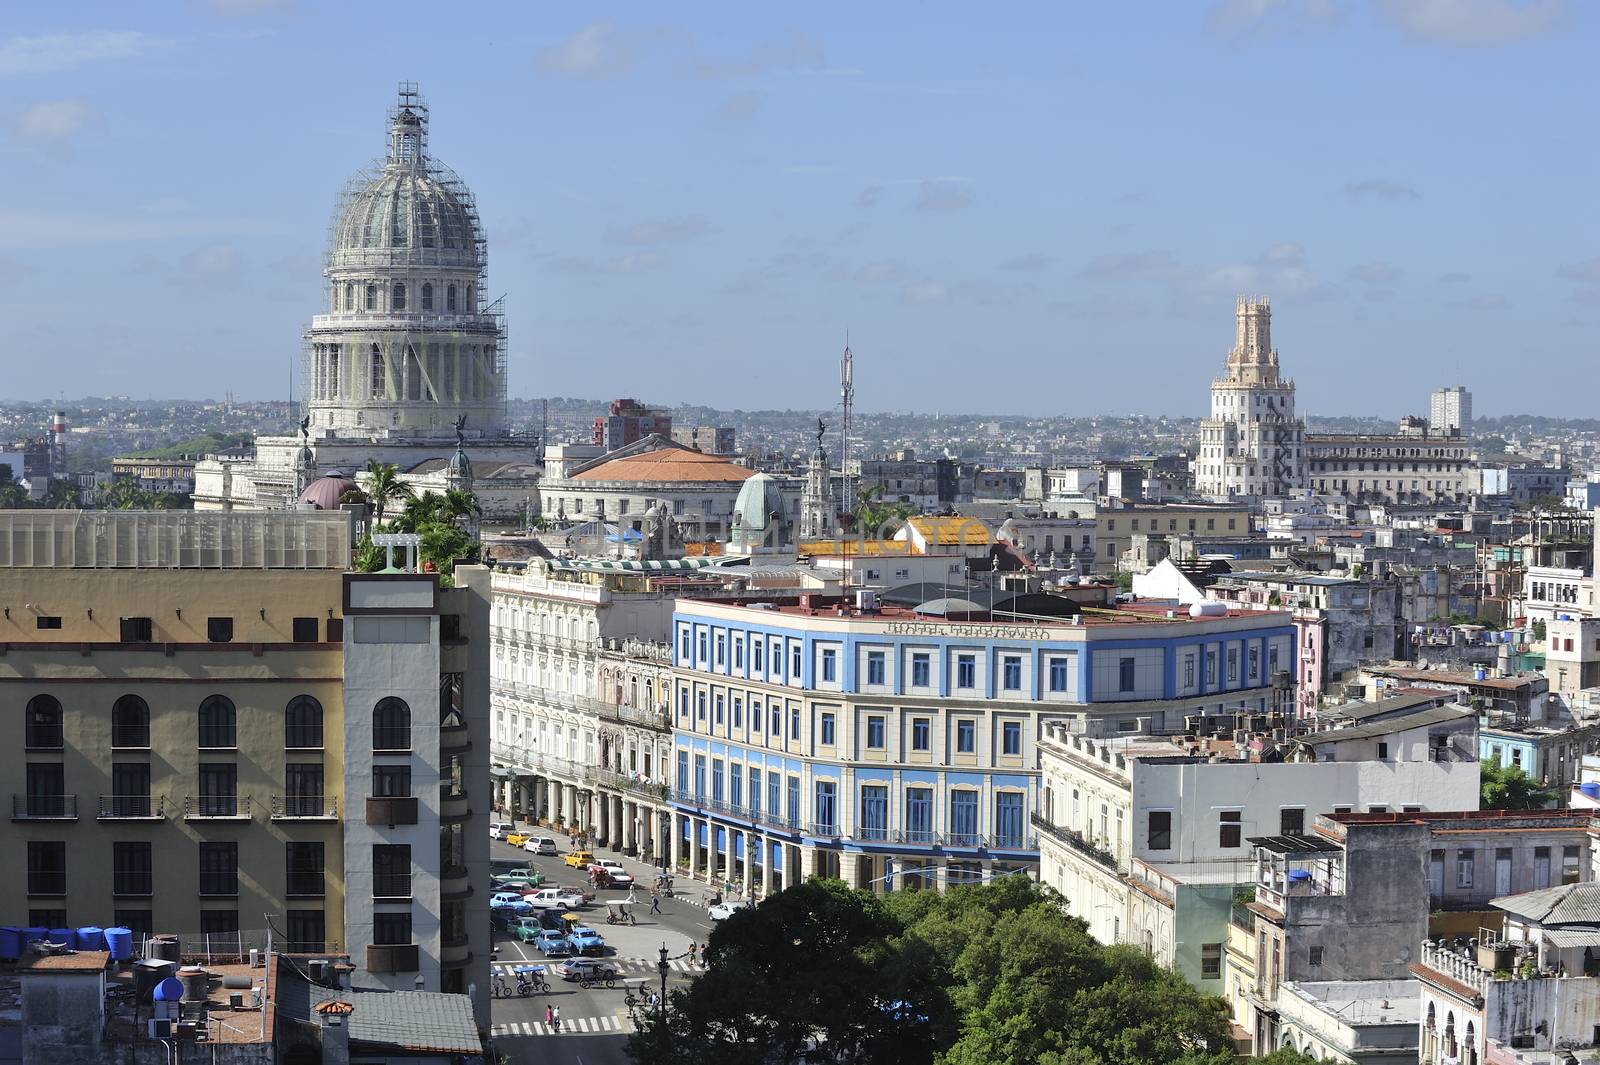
<point x="661" y="1007"/>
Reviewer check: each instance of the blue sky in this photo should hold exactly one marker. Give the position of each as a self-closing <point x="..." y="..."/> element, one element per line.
<point x="1013" y="208"/>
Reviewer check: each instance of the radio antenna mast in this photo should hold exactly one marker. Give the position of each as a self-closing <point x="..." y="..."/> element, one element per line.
<point x="847" y="396"/>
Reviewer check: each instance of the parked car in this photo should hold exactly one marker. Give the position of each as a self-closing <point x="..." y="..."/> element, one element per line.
<point x="523" y="882"/>
<point x="501" y="829"/>
<point x="553" y="944"/>
<point x="586" y="969"/>
<point x="540" y="845"/>
<point x="563" y="898"/>
<point x="579" y="859"/>
<point x="527" y="928"/>
<point x="614" y="871"/>
<point x="505" y="898"/>
<point x="517" y="839"/>
<point x="724" y="910"/>
<point x="586" y="940"/>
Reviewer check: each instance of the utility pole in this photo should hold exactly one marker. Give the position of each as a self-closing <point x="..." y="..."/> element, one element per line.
<point x="847" y="396"/>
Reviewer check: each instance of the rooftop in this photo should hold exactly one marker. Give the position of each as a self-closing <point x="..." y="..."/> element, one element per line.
<point x="1422" y="717"/>
<point x="1440" y="676"/>
<point x="87" y="961"/>
<point x="1124" y="614"/>
<point x="667" y="465"/>
<point x="1564" y="905"/>
<point x="418" y="1022"/>
<point x="1363" y="1002"/>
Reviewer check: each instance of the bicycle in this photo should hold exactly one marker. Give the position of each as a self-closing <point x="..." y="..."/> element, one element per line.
<point x="501" y="987"/>
<point x="587" y="982"/>
<point x="526" y="986"/>
<point x="631" y="1000"/>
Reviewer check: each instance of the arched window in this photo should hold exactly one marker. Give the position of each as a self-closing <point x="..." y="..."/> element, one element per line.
<point x="349" y="296"/>
<point x="217" y="722"/>
<point x="450" y="298"/>
<point x="130" y="722"/>
<point x="391" y="725"/>
<point x="43" y="731"/>
<point x="397" y="300"/>
<point x="377" y="382"/>
<point x="302" y="723"/>
<point x="427" y="296"/>
<point x="372" y="297"/>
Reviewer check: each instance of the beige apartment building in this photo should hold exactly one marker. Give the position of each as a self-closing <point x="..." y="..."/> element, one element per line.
<point x="1116" y="528"/>
<point x="221" y="733"/>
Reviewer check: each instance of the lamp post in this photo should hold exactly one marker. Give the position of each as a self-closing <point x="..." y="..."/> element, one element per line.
<point x="661" y="1007"/>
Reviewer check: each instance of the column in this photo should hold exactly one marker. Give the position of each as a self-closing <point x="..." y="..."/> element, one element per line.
<point x="808" y="863"/>
<point x="630" y="827"/>
<point x="694" y="847"/>
<point x="850" y="868"/>
<point x="621" y="827"/>
<point x="603" y="827"/>
<point x="771" y="867"/>
<point x="988" y="870"/>
<point x="749" y="862"/>
<point x="552" y="800"/>
<point x="674" y="843"/>
<point x="897" y="880"/>
<point x="942" y="873"/>
<point x="569" y="804"/>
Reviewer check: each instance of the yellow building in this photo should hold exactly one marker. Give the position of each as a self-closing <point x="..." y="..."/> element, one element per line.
<point x="209" y="739"/>
<point x="1115" y="528"/>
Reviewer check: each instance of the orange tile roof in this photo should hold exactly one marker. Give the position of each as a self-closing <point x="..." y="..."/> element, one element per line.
<point x="953" y="531"/>
<point x="667" y="464"/>
<point x="834" y="548"/>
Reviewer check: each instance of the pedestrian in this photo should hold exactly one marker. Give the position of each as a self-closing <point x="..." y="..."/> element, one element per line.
<point x="655" y="902"/>
<point x="694" y="953"/>
<point x="557" y="1023"/>
<point x="549" y="1018"/>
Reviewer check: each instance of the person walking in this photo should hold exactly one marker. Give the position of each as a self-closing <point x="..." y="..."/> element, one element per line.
<point x="549" y="1017"/>
<point x="694" y="953"/>
<point x="655" y="902"/>
<point x="556" y="1025"/>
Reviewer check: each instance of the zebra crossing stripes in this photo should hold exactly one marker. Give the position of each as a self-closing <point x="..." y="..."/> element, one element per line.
<point x="622" y="965"/>
<point x="616" y="1023"/>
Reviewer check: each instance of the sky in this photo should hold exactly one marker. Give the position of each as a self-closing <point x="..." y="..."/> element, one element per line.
<point x="1021" y="208"/>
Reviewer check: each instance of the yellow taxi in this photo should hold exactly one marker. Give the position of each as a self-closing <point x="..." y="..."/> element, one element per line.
<point x="579" y="859"/>
<point x="517" y="839"/>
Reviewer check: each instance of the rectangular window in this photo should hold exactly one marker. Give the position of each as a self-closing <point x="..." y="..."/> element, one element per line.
<point x="219" y="630"/>
<point x="699" y="776"/>
<point x="794" y="800"/>
<point x="722" y="649"/>
<point x="964" y="818"/>
<point x="1011" y="737"/>
<point x="700" y="644"/>
<point x="139" y="922"/>
<point x="874" y="824"/>
<point x="919" y="815"/>
<point x="307" y="931"/>
<point x="1292" y="821"/>
<point x="875" y="667"/>
<point x="875" y="733"/>
<point x="1011" y="673"/>
<point x="131" y="868"/>
<point x="738" y="653"/>
<point x="1314" y="956"/>
<point x="47" y="621"/>
<point x="1125" y="675"/>
<point x="43" y="729"/>
<point x="755" y="715"/>
<point x="390" y="781"/>
<point x="1230" y="828"/>
<point x="46" y="789"/>
<point x="823" y="816"/>
<point x="966" y="671"/>
<point x="794" y="724"/>
<point x="391" y="929"/>
<point x="716" y="780"/>
<point x="1233" y="665"/>
<point x="830" y="665"/>
<point x="758" y="655"/>
<point x="920" y="670"/>
<point x="219" y="783"/>
<point x="1160" y="830"/>
<point x="391" y="870"/>
<point x="1059" y="680"/>
<point x="302" y="787"/>
<point x="717" y="719"/>
<point x="794" y="664"/>
<point x="303" y="868"/>
<point x="755" y="791"/>
<point x="130" y="789"/>
<point x="1464" y="866"/>
<point x="1188" y="670"/>
<point x="777" y="722"/>
<point x="1008" y="818"/>
<point x="738" y="712"/>
<point x="136" y="630"/>
<point x="1211" y="961"/>
<point x="683" y="646"/>
<point x="219" y="923"/>
<point x="966" y="736"/>
<point x="219" y="868"/>
<point x="1254" y="659"/>
<point x="683" y="772"/>
<point x="920" y="730"/>
<point x="700" y="706"/>
<point x="774" y="783"/>
<point x="827" y="730"/>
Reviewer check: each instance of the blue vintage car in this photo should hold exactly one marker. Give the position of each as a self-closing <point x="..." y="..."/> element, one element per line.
<point x="586" y="940"/>
<point x="553" y="944"/>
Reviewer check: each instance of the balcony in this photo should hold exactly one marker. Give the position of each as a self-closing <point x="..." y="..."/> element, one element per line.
<point x="391" y="885"/>
<point x="392" y="958"/>
<point x="453" y="804"/>
<point x="453" y="738"/>
<point x="455" y="882"/>
<point x="1073" y="841"/>
<point x="304" y="808"/>
<point x="44" y="807"/>
<point x="132" y="808"/>
<point x="383" y="810"/>
<point x="656" y="717"/>
<point x="527" y="761"/>
<point x="610" y="778"/>
<point x="454" y="953"/>
<point x="216" y="808"/>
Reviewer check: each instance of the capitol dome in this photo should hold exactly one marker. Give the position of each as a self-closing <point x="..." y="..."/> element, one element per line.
<point x="406" y="214"/>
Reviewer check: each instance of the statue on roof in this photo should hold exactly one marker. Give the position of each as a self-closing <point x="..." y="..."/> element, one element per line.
<point x="461" y="436"/>
<point x="822" y="430"/>
<point x="305" y="428"/>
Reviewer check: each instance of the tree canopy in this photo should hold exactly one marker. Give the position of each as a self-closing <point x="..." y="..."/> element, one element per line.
<point x="982" y="975"/>
<point x="1507" y="787"/>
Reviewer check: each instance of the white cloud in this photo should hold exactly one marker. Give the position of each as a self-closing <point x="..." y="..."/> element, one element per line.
<point x="1474" y="23"/>
<point x="1380" y="189"/>
<point x="1280" y="271"/>
<point x="61" y="51"/>
<point x="795" y="51"/>
<point x="29" y="230"/>
<point x="52" y="121"/>
<point x="1454" y="277"/>
<point x="661" y="231"/>
<point x="944" y="194"/>
<point x="1154" y="265"/>
<point x="595" y="52"/>
<point x="1484" y="302"/>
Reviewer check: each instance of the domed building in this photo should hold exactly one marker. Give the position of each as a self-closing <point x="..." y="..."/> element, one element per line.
<point x="406" y="362"/>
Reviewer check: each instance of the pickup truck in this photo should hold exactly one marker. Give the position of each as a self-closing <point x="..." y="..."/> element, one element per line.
<point x="547" y="898"/>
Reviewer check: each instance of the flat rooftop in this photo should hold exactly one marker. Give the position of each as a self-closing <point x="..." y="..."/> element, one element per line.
<point x="1122" y="614"/>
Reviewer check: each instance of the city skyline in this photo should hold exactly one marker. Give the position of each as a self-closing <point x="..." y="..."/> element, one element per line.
<point x="759" y="187"/>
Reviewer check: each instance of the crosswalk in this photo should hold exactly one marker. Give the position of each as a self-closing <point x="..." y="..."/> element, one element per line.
<point x="624" y="966"/>
<point x="612" y="1024"/>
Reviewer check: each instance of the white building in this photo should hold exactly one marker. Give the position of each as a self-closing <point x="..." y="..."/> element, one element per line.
<point x="1252" y="444"/>
<point x="1450" y="411"/>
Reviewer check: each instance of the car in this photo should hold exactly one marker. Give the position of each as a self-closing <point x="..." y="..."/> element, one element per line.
<point x="588" y="969"/>
<point x="552" y="944"/>
<point x="614" y="871"/>
<point x="527" y="928"/>
<point x="556" y="897"/>
<point x="539" y="845"/>
<point x="517" y="839"/>
<point x="501" y="829"/>
<point x="724" y="910"/>
<point x="505" y="898"/>
<point x="586" y="940"/>
<point x="523" y="882"/>
<point x="579" y="859"/>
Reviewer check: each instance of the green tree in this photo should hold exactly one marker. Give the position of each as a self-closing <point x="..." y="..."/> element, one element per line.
<point x="1285" y="1056"/>
<point x="384" y="487"/>
<point x="1507" y="787"/>
<point x="1538" y="631"/>
<point x="875" y="517"/>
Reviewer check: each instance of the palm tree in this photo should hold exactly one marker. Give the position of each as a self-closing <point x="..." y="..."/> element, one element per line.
<point x="419" y="510"/>
<point x="460" y="504"/>
<point x="384" y="487"/>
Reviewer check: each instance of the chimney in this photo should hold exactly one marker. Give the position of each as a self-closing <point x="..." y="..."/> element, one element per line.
<point x="334" y="1018"/>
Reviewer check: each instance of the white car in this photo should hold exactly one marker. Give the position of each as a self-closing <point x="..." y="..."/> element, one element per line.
<point x="724" y="910"/>
<point x="614" y="870"/>
<point x="501" y="829"/>
<point x="540" y="845"/>
<point x="553" y="898"/>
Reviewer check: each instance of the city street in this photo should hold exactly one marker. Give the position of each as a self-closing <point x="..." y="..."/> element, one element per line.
<point x="594" y="1023"/>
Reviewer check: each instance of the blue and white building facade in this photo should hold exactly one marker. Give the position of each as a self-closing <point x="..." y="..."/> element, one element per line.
<point x="891" y="747"/>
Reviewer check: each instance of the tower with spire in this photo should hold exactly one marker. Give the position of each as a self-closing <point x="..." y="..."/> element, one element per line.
<point x="1253" y="445"/>
<point x="818" y="518"/>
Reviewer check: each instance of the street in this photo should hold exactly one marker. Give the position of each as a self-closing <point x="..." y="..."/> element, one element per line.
<point x="594" y="1023"/>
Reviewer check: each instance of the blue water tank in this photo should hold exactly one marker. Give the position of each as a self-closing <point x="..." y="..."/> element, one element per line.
<point x="30" y="936"/>
<point x="91" y="937"/>
<point x="1479" y="673"/>
<point x="168" y="990"/>
<point x="62" y="935"/>
<point x="119" y="941"/>
<point x="1299" y="874"/>
<point x="10" y="942"/>
<point x="1591" y="790"/>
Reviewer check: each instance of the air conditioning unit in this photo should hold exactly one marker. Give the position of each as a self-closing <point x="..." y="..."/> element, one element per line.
<point x="160" y="1028"/>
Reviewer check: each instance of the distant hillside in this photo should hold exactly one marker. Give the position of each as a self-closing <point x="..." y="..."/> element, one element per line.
<point x="209" y="444"/>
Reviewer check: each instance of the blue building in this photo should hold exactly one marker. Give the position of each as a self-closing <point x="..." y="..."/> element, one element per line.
<point x="894" y="746"/>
